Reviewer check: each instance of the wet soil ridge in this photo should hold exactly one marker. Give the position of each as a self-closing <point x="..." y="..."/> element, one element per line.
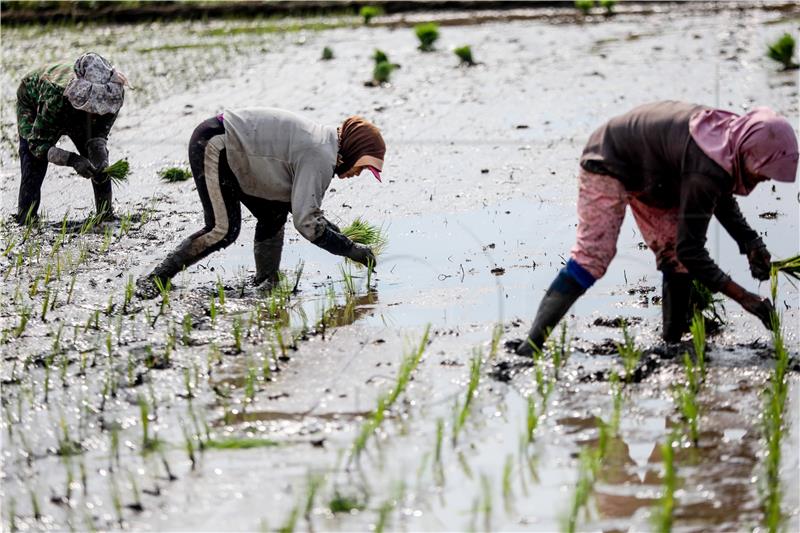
<point x="32" y="12"/>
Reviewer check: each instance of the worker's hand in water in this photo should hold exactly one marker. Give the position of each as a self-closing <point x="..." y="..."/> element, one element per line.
<point x="82" y="166"/>
<point x="758" y="306"/>
<point x="760" y="262"/>
<point x="362" y="254"/>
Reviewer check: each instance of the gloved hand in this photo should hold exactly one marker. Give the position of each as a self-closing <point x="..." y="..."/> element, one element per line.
<point x="98" y="153"/>
<point x="760" y="262"/>
<point x="760" y="307"/>
<point x="333" y="226"/>
<point x="362" y="254"/>
<point x="82" y="166"/>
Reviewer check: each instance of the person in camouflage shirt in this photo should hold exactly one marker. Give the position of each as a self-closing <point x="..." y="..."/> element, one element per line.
<point x="80" y="101"/>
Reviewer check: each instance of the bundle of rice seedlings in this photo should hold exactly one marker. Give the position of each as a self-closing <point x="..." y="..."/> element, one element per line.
<point x="382" y="72"/>
<point x="327" y="54"/>
<point x="790" y="267"/>
<point x="362" y="232"/>
<point x="118" y="172"/>
<point x="174" y="174"/>
<point x="380" y="56"/>
<point x="782" y="51"/>
<point x="464" y="53"/>
<point x="427" y="33"/>
<point x="608" y="5"/>
<point x="704" y="301"/>
<point x="369" y="12"/>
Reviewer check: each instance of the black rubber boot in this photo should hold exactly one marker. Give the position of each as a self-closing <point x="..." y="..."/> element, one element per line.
<point x="268" y="260"/>
<point x="675" y="312"/>
<point x="103" y="200"/>
<point x="563" y="292"/>
<point x="181" y="257"/>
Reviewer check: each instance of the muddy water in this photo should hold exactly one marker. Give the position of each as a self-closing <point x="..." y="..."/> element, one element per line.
<point x="468" y="191"/>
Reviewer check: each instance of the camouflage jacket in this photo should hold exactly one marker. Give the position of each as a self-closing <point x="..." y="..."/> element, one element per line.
<point x="44" y="114"/>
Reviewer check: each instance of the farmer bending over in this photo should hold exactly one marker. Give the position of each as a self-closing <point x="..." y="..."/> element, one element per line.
<point x="675" y="165"/>
<point x="274" y="162"/>
<point x="81" y="101"/>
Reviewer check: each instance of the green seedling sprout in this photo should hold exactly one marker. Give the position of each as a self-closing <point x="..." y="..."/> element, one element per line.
<point x="497" y="334"/>
<point x="189" y="446"/>
<point x="508" y="470"/>
<point x="327" y="53"/>
<point x="464" y="54"/>
<point x="186" y="324"/>
<point x="472" y="387"/>
<point x="291" y="521"/>
<point x="560" y="350"/>
<point x="45" y="303"/>
<point x="587" y="467"/>
<point x="345" y="503"/>
<point x="369" y="12"/>
<point x="24" y="316"/>
<point x="237" y="334"/>
<point x="221" y="292"/>
<point x="698" y="330"/>
<point x="163" y="289"/>
<point x="117" y="172"/>
<point x="616" y="393"/>
<point x="790" y="267"/>
<point x="313" y="484"/>
<point x="174" y="174"/>
<point x="382" y="72"/>
<point x="428" y="34"/>
<point x="629" y="353"/>
<point x="782" y="51"/>
<point x="129" y="291"/>
<point x="662" y="514"/>
<point x="250" y="385"/>
<point x="35" y="508"/>
<point x="531" y="420"/>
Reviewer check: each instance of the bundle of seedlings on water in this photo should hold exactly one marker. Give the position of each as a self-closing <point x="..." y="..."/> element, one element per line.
<point x="117" y="172"/>
<point x="327" y="53"/>
<point x="428" y="34"/>
<point x="369" y="12"/>
<point x="464" y="53"/>
<point x="362" y="232"/>
<point x="174" y="174"/>
<point x="585" y="6"/>
<point x="782" y="51"/>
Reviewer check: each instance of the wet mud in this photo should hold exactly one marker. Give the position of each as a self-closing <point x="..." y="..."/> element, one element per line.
<point x="328" y="408"/>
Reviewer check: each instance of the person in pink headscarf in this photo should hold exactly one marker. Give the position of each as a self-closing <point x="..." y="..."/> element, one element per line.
<point x="675" y="165"/>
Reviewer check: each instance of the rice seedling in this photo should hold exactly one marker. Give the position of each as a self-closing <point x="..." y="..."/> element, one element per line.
<point x="531" y="420"/>
<point x="497" y="334"/>
<point x="116" y="500"/>
<point x="464" y="54"/>
<point x="35" y="507"/>
<point x="237" y="334"/>
<point x="66" y="445"/>
<point x="24" y="316"/>
<point x="291" y="521"/>
<point x="148" y="443"/>
<point x="560" y="350"/>
<point x="117" y="172"/>
<point x="698" y="330"/>
<point x="239" y="443"/>
<point x="45" y="303"/>
<point x="428" y="34"/>
<point x="616" y="394"/>
<point x="12" y="515"/>
<point x="773" y="429"/>
<point x="369" y="12"/>
<point x="108" y="234"/>
<point x="71" y="287"/>
<point x="629" y="353"/>
<point x="584" y="6"/>
<point x="472" y="387"/>
<point x="690" y="410"/>
<point x="382" y="73"/>
<point x="345" y="503"/>
<point x="348" y="281"/>
<point x="221" y="292"/>
<point x="212" y="310"/>
<point x="163" y="289"/>
<point x="125" y="224"/>
<point x="508" y="470"/>
<point x="313" y="484"/>
<point x="188" y="446"/>
<point x="662" y="515"/>
<point x="587" y="468"/>
<point x="174" y="174"/>
<point x="327" y="54"/>
<point x="782" y="51"/>
<point x="250" y="385"/>
<point x="790" y="268"/>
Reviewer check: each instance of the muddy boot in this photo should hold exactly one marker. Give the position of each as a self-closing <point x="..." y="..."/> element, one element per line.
<point x="563" y="292"/>
<point x="268" y="260"/>
<point x="103" y="200"/>
<point x="675" y="291"/>
<point x="146" y="287"/>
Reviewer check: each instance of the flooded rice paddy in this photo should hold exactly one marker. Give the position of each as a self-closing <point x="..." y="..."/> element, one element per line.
<point x="389" y="403"/>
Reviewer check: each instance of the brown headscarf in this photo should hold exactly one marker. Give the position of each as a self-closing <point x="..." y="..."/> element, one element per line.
<point x="358" y="138"/>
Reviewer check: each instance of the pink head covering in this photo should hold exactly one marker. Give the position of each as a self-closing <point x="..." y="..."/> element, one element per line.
<point x="759" y="142"/>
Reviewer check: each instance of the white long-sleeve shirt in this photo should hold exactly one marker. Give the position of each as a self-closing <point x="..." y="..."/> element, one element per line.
<point x="277" y="155"/>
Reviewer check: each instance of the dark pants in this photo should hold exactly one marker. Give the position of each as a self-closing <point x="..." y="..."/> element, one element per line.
<point x="33" y="171"/>
<point x="220" y="196"/>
